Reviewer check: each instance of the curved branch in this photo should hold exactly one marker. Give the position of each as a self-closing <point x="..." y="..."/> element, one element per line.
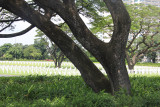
<point x="18" y="33"/>
<point x="121" y="20"/>
<point x="68" y="12"/>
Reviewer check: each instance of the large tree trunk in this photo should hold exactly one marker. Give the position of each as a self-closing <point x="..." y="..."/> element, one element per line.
<point x="110" y="55"/>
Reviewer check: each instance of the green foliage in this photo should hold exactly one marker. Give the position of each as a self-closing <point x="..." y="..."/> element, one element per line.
<point x="63" y="91"/>
<point x="16" y="51"/>
<point x="4" y="48"/>
<point x="142" y="15"/>
<point x="41" y="44"/>
<point x="32" y="53"/>
<point x="145" y="20"/>
<point x="8" y="56"/>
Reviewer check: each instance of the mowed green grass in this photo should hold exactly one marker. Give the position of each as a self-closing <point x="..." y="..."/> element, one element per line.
<point x="71" y="91"/>
<point x="149" y="64"/>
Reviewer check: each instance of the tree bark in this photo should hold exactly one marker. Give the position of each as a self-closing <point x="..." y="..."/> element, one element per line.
<point x="110" y="55"/>
<point x="106" y="54"/>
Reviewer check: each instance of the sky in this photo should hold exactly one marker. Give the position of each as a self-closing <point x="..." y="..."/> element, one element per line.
<point x="25" y="39"/>
<point x="29" y="37"/>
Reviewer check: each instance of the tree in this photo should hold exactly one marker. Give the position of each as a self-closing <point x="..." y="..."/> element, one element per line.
<point x="52" y="49"/>
<point x="16" y="51"/>
<point x="152" y="56"/>
<point x="56" y="54"/>
<point x="4" y="48"/>
<point x="8" y="56"/>
<point x="144" y="34"/>
<point x="111" y="55"/>
<point x="41" y="44"/>
<point x="32" y="53"/>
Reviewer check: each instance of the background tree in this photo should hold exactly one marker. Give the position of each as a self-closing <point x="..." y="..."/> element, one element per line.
<point x="8" y="56"/>
<point x="144" y="34"/>
<point x="4" y="48"/>
<point x="145" y="31"/>
<point x="16" y="51"/>
<point x="111" y="55"/>
<point x="52" y="49"/>
<point x="32" y="53"/>
<point x="152" y="56"/>
<point x="41" y="44"/>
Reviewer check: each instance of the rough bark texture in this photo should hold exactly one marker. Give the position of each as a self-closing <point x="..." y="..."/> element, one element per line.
<point x="121" y="20"/>
<point x="110" y="55"/>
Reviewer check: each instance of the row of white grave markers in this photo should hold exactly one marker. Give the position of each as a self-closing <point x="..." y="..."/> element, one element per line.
<point x="35" y="63"/>
<point x="145" y="70"/>
<point x="67" y="68"/>
<point x="27" y="70"/>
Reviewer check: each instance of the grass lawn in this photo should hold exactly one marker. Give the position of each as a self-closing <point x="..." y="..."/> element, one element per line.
<point x="148" y="64"/>
<point x="71" y="91"/>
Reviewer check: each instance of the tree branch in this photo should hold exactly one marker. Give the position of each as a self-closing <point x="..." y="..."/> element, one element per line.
<point x="134" y="37"/>
<point x="16" y="34"/>
<point x="11" y="22"/>
<point x="121" y="23"/>
<point x="7" y="26"/>
<point x="68" y="12"/>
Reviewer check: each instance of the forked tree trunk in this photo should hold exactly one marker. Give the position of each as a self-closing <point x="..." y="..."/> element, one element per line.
<point x="110" y="55"/>
<point x="58" y="61"/>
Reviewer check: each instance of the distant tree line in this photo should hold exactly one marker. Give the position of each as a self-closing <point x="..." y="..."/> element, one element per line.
<point x="37" y="51"/>
<point x="20" y="51"/>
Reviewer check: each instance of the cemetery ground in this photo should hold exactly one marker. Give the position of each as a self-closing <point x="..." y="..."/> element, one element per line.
<point x="39" y="84"/>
